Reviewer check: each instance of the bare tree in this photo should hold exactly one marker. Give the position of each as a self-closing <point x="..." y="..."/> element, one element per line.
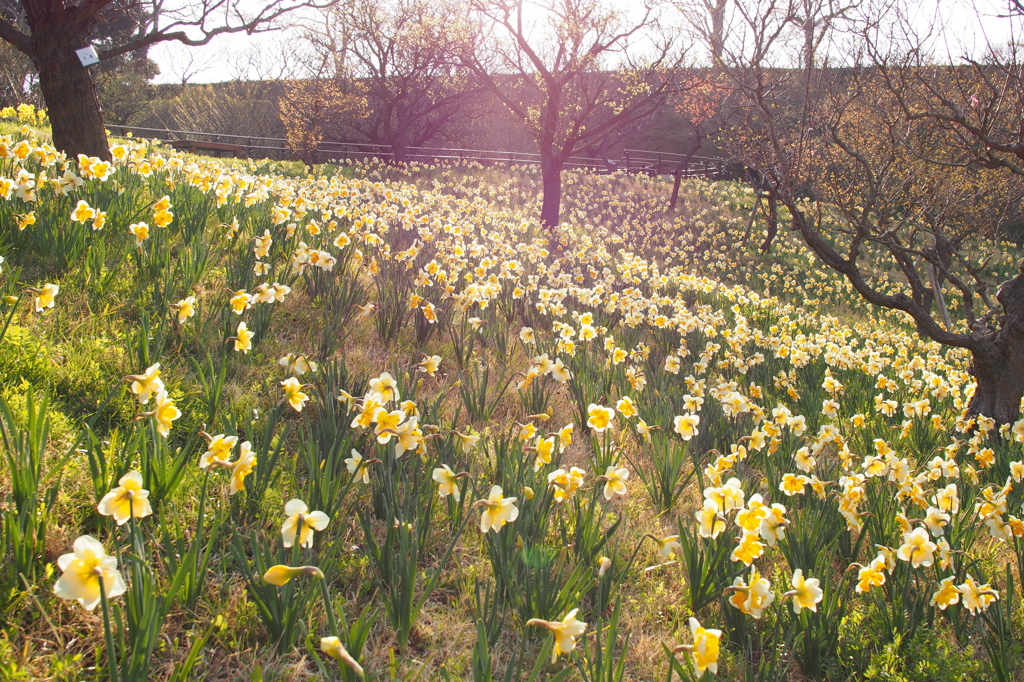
<point x="573" y="71"/>
<point x="905" y="190"/>
<point x="404" y="56"/>
<point x="49" y="31"/>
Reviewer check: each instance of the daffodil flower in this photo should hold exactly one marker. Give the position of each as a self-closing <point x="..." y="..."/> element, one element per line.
<point x="704" y="648"/>
<point x="384" y="388"/>
<point x="164" y="412"/>
<point x="128" y="499"/>
<point x="243" y="338"/>
<point x="686" y="425"/>
<point x="977" y="598"/>
<point x="751" y="598"/>
<point x="281" y="575"/>
<point x="242" y="467"/>
<point x="218" y="450"/>
<point x="293" y="393"/>
<point x="430" y="365"/>
<point x="45" y="296"/>
<point x="498" y="510"/>
<point x="302" y="524"/>
<point x="946" y="595"/>
<point x="357" y="467"/>
<point x="146" y="384"/>
<point x="805" y="593"/>
<point x="332" y="646"/>
<point x="566" y="632"/>
<point x="297" y="364"/>
<point x="83" y="569"/>
<point x="186" y="308"/>
<point x="600" y="418"/>
<point x="917" y="548"/>
<point x="667" y="545"/>
<point x="447" y="481"/>
<point x="615" y="481"/>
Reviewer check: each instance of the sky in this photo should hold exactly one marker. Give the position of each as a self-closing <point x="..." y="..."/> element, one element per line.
<point x="967" y="24"/>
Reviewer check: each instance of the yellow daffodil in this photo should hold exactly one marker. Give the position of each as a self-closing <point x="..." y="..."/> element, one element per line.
<point x="240" y="302"/>
<point x="565" y="436"/>
<point x="387" y="425"/>
<point x="430" y="365"/>
<point x="243" y="338"/>
<point x="751" y="598"/>
<point x="242" y="467"/>
<point x="917" y="548"/>
<point x="447" y="481"/>
<point x="128" y="499"/>
<point x="872" y="575"/>
<point x="281" y="575"/>
<point x="140" y="231"/>
<point x="186" y="309"/>
<point x="497" y="511"/>
<point x="297" y="364"/>
<point x="667" y="545"/>
<point x="749" y="548"/>
<point x="805" y="593"/>
<point x="704" y="648"/>
<point x="626" y="407"/>
<point x="147" y="384"/>
<point x="82" y="213"/>
<point x="384" y="388"/>
<point x="332" y="646"/>
<point x="218" y="450"/>
<point x="293" y="393"/>
<point x="357" y="467"/>
<point x="164" y="412"/>
<point x="468" y="441"/>
<point x="946" y="595"/>
<point x="45" y="297"/>
<point x="686" y="425"/>
<point x="600" y="418"/>
<point x="83" y="569"/>
<point x="566" y="632"/>
<point x="301" y="523"/>
<point x="544" y="447"/>
<point x="977" y="598"/>
<point x="615" y="481"/>
<point x="711" y="521"/>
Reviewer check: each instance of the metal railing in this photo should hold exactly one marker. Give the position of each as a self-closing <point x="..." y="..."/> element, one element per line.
<point x="632" y="161"/>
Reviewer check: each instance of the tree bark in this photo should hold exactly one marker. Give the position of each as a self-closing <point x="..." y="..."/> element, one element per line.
<point x="999" y="368"/>
<point x="399" y="152"/>
<point x="551" y="182"/>
<point x="70" y="95"/>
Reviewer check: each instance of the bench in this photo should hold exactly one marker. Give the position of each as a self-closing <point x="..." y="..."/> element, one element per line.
<point x="214" y="148"/>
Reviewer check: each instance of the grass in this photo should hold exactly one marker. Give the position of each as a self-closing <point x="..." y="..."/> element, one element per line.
<point x="621" y="247"/>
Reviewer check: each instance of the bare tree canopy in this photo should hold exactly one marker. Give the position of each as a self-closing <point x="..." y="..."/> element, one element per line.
<point x="574" y="71"/>
<point x="898" y="171"/>
<point x="404" y="54"/>
<point x="49" y="31"/>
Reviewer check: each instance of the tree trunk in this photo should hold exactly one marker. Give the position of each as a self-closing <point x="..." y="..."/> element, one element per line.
<point x="399" y="154"/>
<point x="691" y="151"/>
<point x="551" y="181"/>
<point x="999" y="369"/>
<point x="773" y="222"/>
<point x="70" y="95"/>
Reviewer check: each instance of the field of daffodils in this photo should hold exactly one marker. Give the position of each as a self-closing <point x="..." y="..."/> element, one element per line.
<point x="377" y="423"/>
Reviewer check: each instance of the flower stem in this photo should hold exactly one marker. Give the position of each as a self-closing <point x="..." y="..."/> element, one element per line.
<point x="329" y="606"/>
<point x="111" y="654"/>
